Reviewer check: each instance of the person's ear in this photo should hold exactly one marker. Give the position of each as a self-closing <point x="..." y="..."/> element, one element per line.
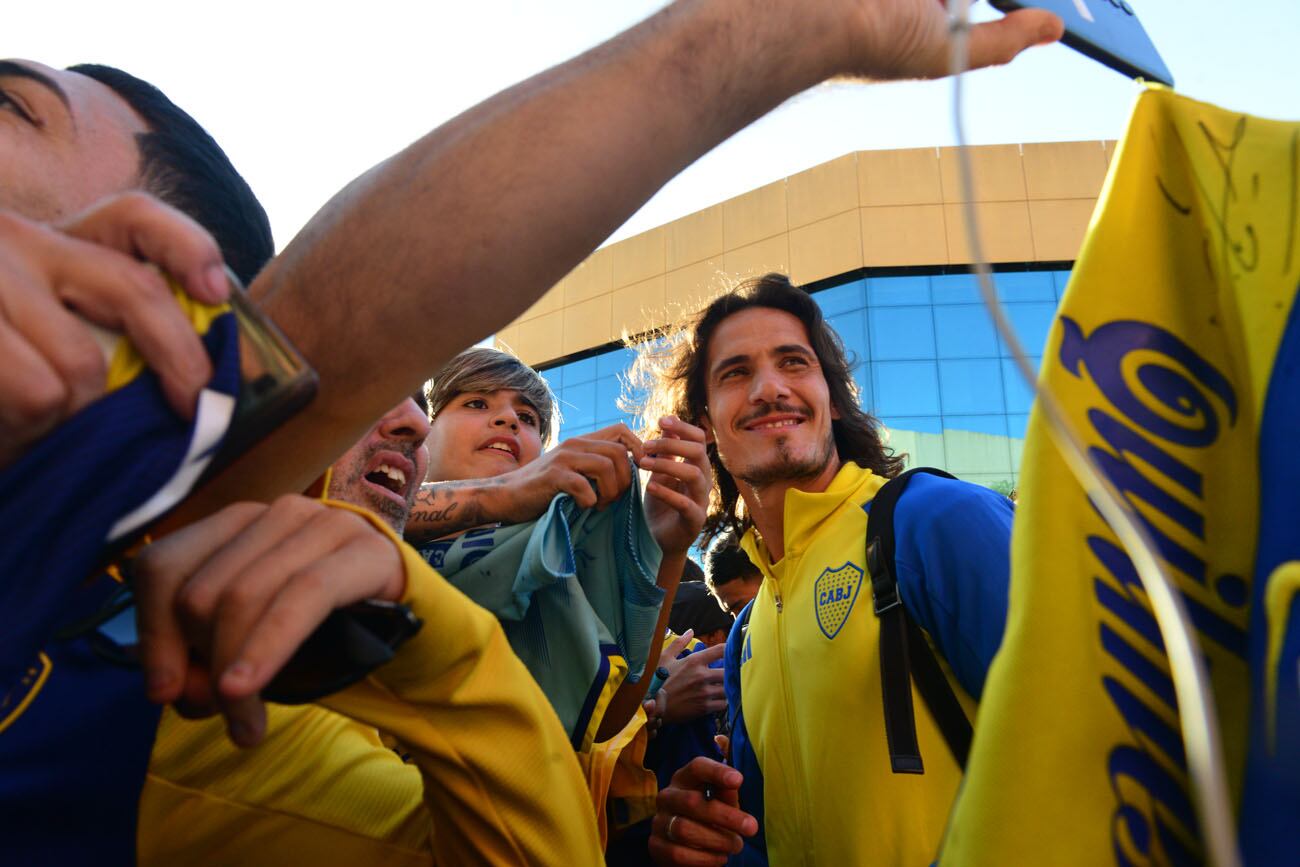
<point x="706" y="425"/>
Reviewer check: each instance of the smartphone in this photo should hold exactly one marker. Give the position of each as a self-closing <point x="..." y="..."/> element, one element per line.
<point x="349" y="644"/>
<point x="1108" y="31"/>
<point x="275" y="381"/>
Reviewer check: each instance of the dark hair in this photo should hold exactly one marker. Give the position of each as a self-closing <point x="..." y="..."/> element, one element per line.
<point x="695" y="608"/>
<point x="691" y="572"/>
<point x="182" y="165"/>
<point x="725" y="562"/>
<point x="673" y="368"/>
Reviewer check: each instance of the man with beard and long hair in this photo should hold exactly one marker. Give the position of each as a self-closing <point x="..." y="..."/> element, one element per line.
<point x="797" y="463"/>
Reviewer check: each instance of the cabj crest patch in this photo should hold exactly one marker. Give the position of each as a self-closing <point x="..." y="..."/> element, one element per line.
<point x="834" y="593"/>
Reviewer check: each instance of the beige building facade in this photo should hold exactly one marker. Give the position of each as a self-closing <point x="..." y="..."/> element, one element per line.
<point x="878" y="237"/>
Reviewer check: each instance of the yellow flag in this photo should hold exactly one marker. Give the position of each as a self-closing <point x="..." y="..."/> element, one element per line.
<point x="1170" y="356"/>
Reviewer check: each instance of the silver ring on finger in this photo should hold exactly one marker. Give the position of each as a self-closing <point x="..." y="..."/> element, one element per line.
<point x="669" y="832"/>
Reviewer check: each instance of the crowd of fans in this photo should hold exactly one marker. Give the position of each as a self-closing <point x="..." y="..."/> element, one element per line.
<point x="560" y="692"/>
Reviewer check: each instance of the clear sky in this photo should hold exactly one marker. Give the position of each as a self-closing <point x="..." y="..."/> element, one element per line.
<point x="306" y="96"/>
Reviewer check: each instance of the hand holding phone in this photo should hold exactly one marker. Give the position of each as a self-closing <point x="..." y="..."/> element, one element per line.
<point x="232" y="602"/>
<point x="1108" y="31"/>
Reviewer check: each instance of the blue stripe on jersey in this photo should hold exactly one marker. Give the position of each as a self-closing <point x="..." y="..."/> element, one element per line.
<point x="593" y="695"/>
<point x="742" y="756"/>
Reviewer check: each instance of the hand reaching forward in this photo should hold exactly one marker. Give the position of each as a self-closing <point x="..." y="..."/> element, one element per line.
<point x="900" y="39"/>
<point x="677" y="495"/>
<point x="695" y="688"/>
<point x="225" y="602"/>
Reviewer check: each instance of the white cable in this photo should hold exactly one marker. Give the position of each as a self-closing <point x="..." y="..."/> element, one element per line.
<point x="1196" y="711"/>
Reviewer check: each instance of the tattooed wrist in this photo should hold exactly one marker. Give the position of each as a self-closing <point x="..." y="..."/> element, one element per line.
<point x="442" y="508"/>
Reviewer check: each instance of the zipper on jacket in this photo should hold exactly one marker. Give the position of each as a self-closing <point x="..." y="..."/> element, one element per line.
<point x="793" y="737"/>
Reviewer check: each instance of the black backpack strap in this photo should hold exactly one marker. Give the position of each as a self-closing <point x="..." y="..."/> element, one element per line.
<point x="904" y="653"/>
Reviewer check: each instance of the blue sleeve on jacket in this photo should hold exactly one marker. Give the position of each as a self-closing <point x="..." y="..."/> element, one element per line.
<point x="952" y="551"/>
<point x="742" y="757"/>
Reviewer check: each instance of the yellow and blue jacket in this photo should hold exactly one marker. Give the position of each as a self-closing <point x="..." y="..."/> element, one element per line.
<point x="809" y="736"/>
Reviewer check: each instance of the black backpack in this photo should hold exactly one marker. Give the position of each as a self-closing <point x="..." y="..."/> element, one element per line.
<point x="905" y="655"/>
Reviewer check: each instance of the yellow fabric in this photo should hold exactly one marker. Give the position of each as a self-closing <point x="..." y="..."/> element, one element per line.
<point x="812" y="702"/>
<point x="614" y="678"/>
<point x="1283" y="585"/>
<point x="126" y="363"/>
<point x="320" y="789"/>
<point x="613" y="770"/>
<point x="493" y="779"/>
<point x="1161" y="356"/>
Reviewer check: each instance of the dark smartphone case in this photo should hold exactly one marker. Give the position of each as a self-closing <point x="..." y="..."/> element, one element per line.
<point x="1108" y="31"/>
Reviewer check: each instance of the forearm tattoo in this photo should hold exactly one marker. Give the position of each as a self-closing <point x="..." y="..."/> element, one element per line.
<point x="443" y="508"/>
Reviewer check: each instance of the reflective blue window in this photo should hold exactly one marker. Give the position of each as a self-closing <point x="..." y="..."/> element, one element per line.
<point x="1032" y="323"/>
<point x="578" y="405"/>
<point x="852" y="329"/>
<point x="617" y="361"/>
<point x="1060" y="279"/>
<point x="1016" y="286"/>
<point x="580" y="371"/>
<point x="971" y="386"/>
<point x="866" y="394"/>
<point x="897" y="291"/>
<point x="931" y="424"/>
<point x="608" y="390"/>
<point x="1019" y="397"/>
<point x="906" y="388"/>
<point x="994" y="425"/>
<point x="955" y="289"/>
<point x="840" y="299"/>
<point x="964" y="331"/>
<point x="902" y="332"/>
<point x="1016" y="427"/>
<point x="554" y="378"/>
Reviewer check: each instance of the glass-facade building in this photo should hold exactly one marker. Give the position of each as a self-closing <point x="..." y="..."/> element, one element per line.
<point x="930" y="364"/>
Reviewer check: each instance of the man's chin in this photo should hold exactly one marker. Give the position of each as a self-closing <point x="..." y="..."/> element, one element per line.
<point x="784" y="469"/>
<point x="389" y="512"/>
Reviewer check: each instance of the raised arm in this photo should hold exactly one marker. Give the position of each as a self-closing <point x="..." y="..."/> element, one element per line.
<point x="441" y="244"/>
